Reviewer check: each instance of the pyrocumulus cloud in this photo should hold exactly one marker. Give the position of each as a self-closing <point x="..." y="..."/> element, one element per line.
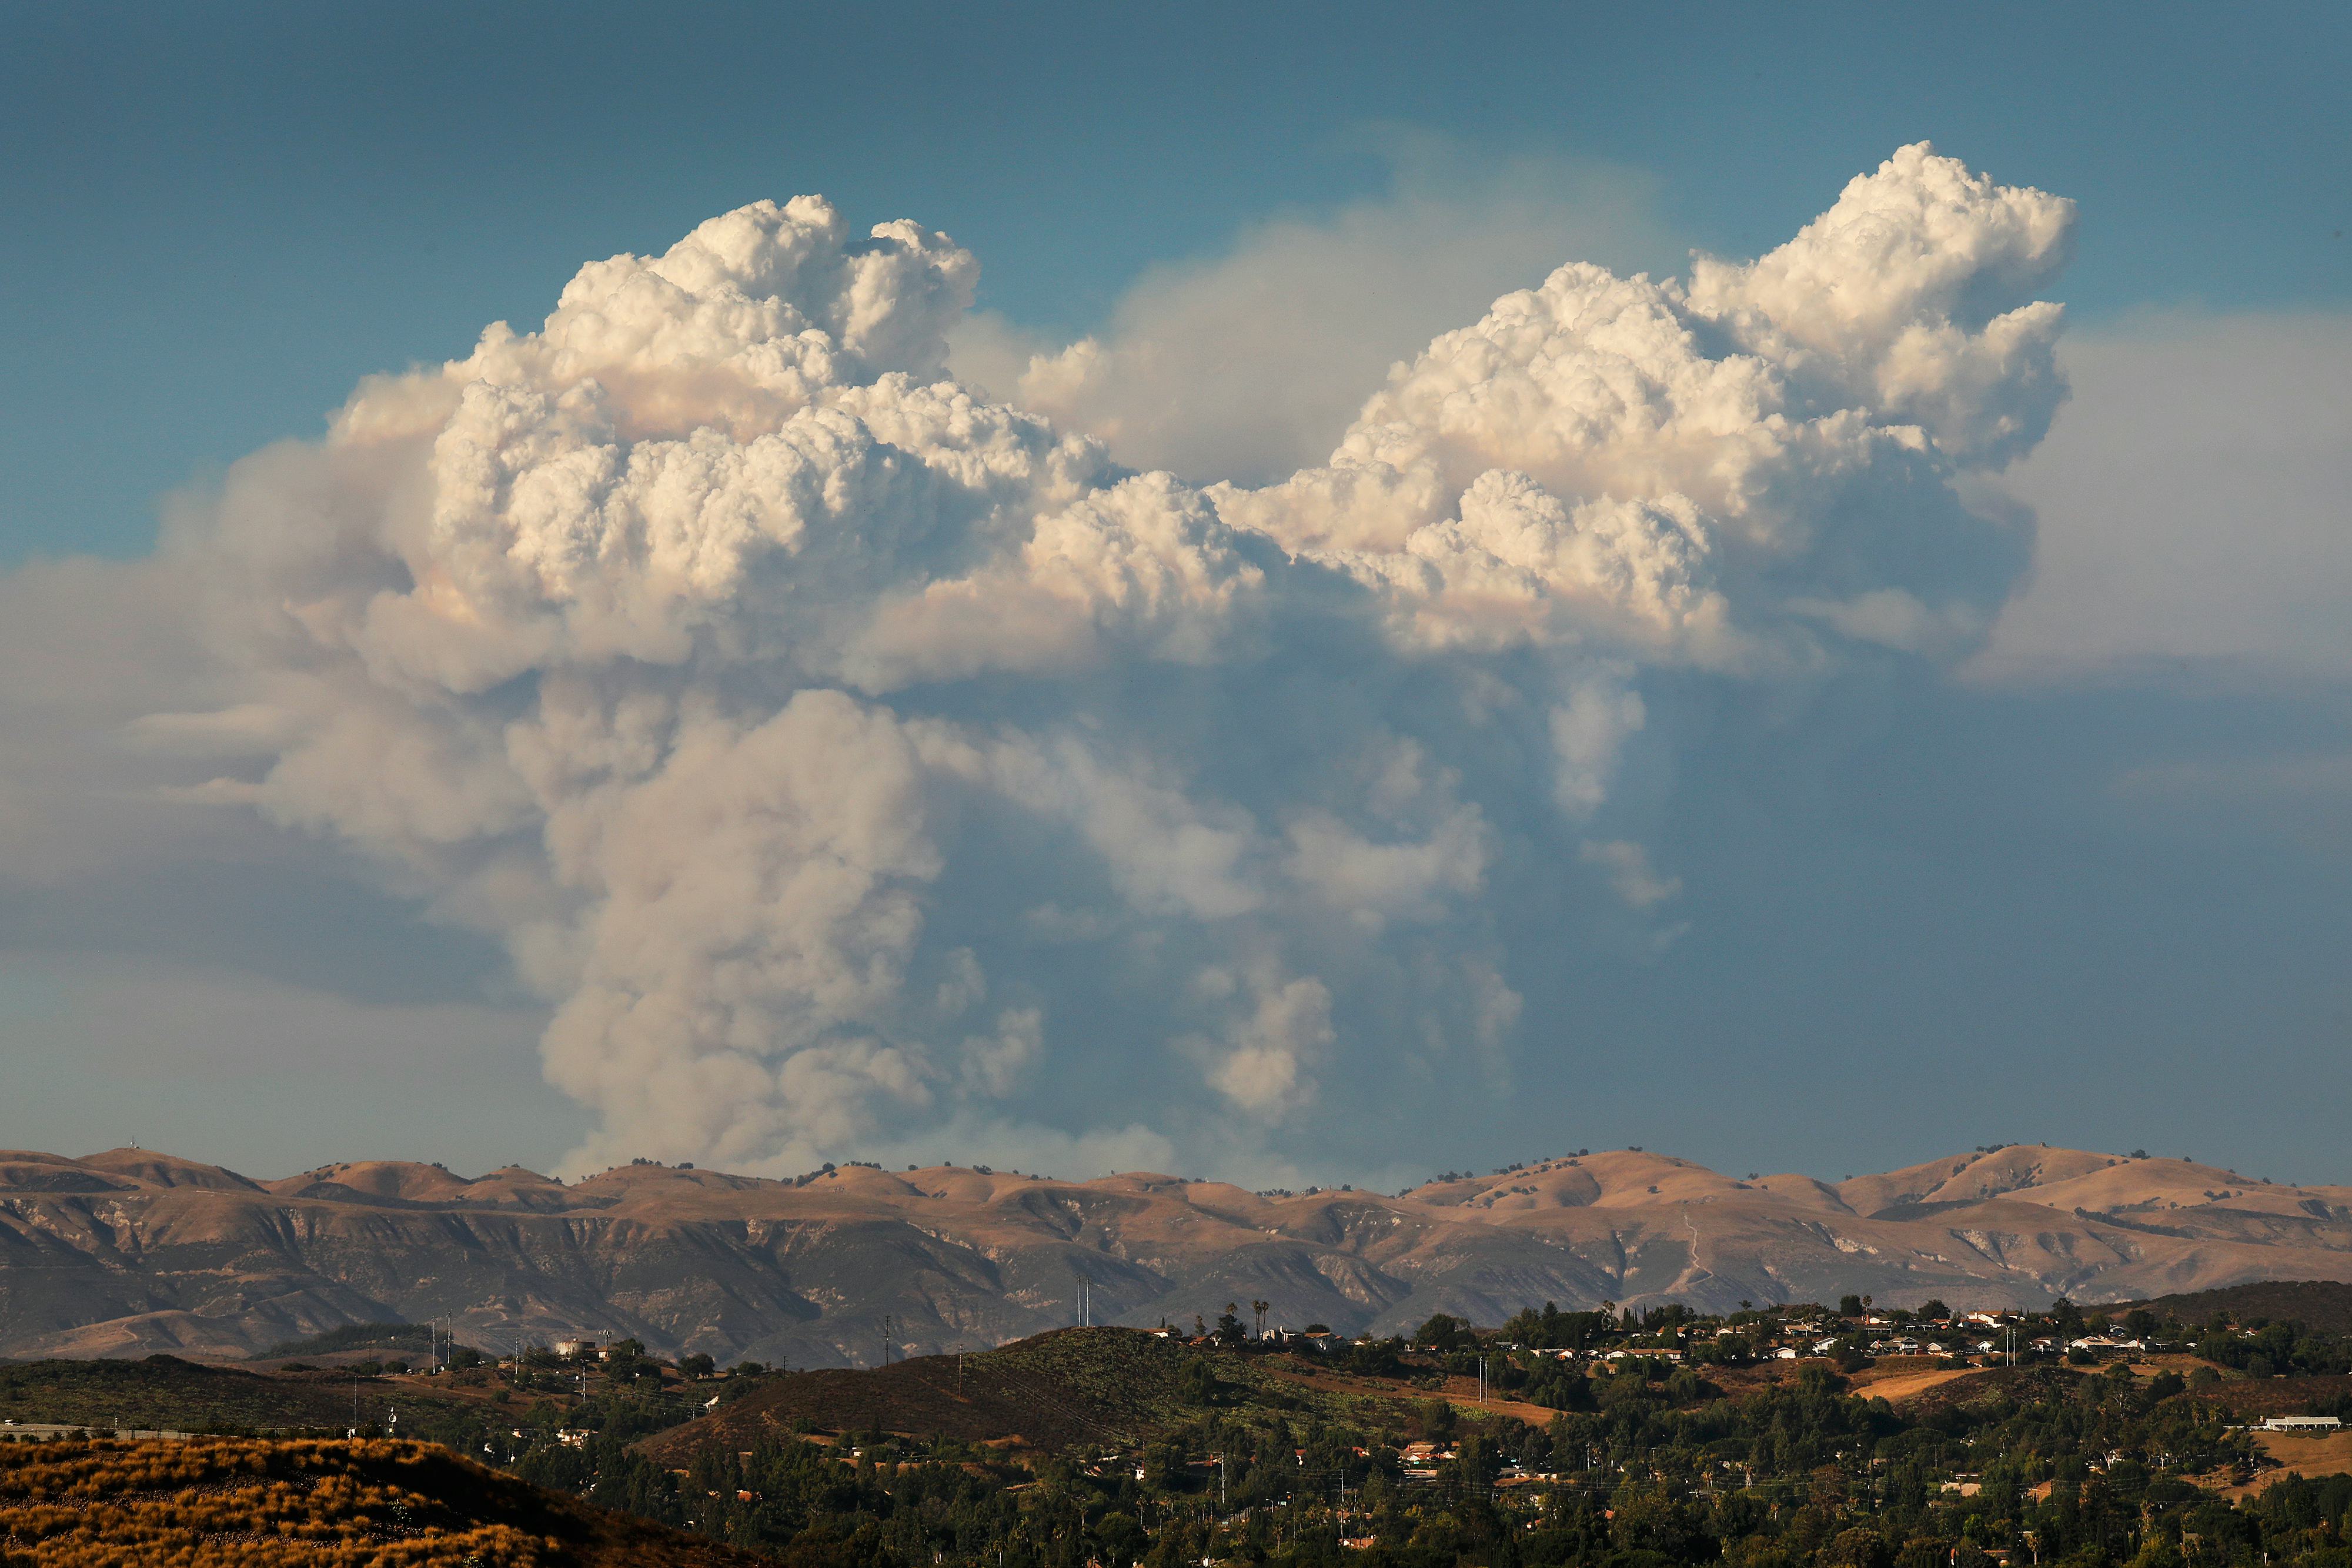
<point x="844" y="757"/>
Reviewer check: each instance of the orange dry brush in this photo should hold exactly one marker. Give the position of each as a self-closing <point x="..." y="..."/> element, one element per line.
<point x="228" y="1503"/>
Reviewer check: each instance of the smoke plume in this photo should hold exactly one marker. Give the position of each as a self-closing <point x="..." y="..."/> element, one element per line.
<point x="855" y="764"/>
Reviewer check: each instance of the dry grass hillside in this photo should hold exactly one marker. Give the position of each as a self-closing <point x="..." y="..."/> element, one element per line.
<point x="165" y="1392"/>
<point x="130" y="1252"/>
<point x="1083" y="1390"/>
<point x="2324" y="1306"/>
<point x="247" y="1503"/>
<point x="1067" y="1390"/>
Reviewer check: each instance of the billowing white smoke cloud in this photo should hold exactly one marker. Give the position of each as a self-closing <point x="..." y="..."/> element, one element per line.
<point x="1246" y="364"/>
<point x="847" y="758"/>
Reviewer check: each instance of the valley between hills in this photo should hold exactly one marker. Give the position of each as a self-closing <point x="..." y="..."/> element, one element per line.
<point x="133" y="1252"/>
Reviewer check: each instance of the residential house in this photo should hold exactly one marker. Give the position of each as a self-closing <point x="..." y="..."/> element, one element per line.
<point x="2103" y="1344"/>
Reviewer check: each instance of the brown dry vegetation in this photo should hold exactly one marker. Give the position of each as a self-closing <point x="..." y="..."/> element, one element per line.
<point x="1898" y="1383"/>
<point x="2251" y="1398"/>
<point x="217" y="1502"/>
<point x="2024" y="1384"/>
<point x="2322" y="1305"/>
<point x="1068" y="1390"/>
<point x="1072" y="1388"/>
<point x="807" y="1270"/>
<point x="2329" y="1455"/>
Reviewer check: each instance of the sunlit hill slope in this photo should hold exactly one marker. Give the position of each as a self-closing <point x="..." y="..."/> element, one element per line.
<point x="132" y="1251"/>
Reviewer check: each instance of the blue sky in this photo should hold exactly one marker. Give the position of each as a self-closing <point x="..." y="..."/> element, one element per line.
<point x="2088" y="887"/>
<point x="254" y="205"/>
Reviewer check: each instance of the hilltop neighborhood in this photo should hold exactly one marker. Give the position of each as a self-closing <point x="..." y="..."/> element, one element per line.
<point x="1673" y="1335"/>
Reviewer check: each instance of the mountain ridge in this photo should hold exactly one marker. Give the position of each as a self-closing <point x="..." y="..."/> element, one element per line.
<point x="128" y="1251"/>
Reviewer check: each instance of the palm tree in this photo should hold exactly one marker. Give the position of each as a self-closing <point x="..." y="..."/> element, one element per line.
<point x="1260" y="1309"/>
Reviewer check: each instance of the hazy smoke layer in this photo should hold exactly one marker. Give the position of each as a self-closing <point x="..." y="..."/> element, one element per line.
<point x="852" y="760"/>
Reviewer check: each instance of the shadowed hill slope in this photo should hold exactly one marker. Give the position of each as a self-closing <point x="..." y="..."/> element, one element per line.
<point x="2324" y="1306"/>
<point x="1065" y="1390"/>
<point x="132" y="1252"/>
<point x="163" y="1391"/>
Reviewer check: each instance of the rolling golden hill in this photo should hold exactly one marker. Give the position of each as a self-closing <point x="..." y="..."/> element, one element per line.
<point x="129" y="1252"/>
